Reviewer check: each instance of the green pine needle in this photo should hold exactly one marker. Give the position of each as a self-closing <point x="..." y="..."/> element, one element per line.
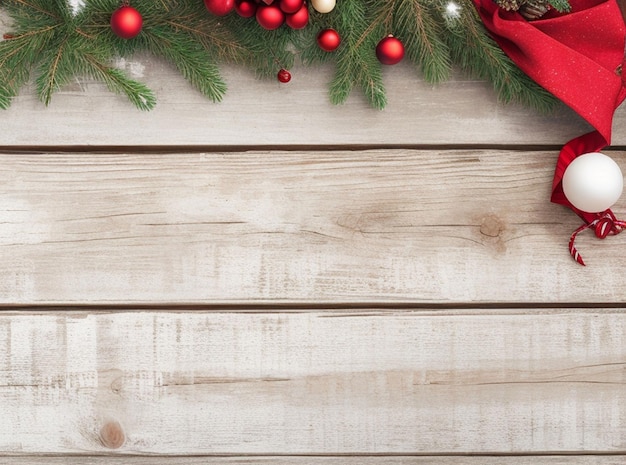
<point x="52" y="46"/>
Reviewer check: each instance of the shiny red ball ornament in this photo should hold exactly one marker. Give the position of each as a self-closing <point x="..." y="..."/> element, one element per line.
<point x="246" y="8"/>
<point x="328" y="40"/>
<point x="126" y="22"/>
<point x="270" y="17"/>
<point x="390" y="51"/>
<point x="299" y="19"/>
<point x="284" y="76"/>
<point x="219" y="7"/>
<point x="290" y="6"/>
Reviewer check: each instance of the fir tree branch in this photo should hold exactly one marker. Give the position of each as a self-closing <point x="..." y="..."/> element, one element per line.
<point x="190" y="59"/>
<point x="138" y="94"/>
<point x="53" y="73"/>
<point x="423" y="36"/>
<point x="479" y="55"/>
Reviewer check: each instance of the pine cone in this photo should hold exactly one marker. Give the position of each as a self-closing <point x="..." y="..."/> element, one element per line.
<point x="529" y="9"/>
<point x="509" y="5"/>
<point x="534" y="9"/>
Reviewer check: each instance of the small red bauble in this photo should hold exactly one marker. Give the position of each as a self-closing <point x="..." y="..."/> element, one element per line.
<point x="270" y="17"/>
<point x="328" y="40"/>
<point x="219" y="7"/>
<point x="284" y="76"/>
<point x="290" y="6"/>
<point x="246" y="8"/>
<point x="299" y="19"/>
<point x="390" y="51"/>
<point x="126" y="22"/>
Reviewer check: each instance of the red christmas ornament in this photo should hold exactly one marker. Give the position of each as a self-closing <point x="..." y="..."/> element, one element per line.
<point x="290" y="6"/>
<point x="299" y="19"/>
<point x="328" y="40"/>
<point x="219" y="7"/>
<point x="284" y="76"/>
<point x="270" y="17"/>
<point x="390" y="51"/>
<point x="126" y="22"/>
<point x="246" y="8"/>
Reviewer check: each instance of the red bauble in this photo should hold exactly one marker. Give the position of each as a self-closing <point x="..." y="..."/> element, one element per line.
<point x="299" y="19"/>
<point x="284" y="76"/>
<point x="390" y="51"/>
<point x="246" y="8"/>
<point x="290" y="6"/>
<point x="270" y="17"/>
<point x="328" y="40"/>
<point x="126" y="22"/>
<point x="219" y="7"/>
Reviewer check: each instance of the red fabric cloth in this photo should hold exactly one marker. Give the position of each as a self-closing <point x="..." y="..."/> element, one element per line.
<point x="577" y="57"/>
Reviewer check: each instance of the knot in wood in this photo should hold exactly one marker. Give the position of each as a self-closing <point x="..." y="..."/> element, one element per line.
<point x="491" y="226"/>
<point x="112" y="435"/>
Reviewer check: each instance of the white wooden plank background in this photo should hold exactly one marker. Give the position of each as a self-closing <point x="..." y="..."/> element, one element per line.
<point x="326" y="382"/>
<point x="303" y="226"/>
<point x="269" y="113"/>
<point x="488" y="338"/>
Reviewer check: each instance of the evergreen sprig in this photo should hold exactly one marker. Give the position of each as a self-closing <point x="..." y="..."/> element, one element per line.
<point x="52" y="45"/>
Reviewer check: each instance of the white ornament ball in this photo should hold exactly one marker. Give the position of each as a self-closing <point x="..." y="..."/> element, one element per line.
<point x="323" y="6"/>
<point x="593" y="182"/>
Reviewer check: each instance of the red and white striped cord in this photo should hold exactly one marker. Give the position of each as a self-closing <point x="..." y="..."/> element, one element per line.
<point x="606" y="224"/>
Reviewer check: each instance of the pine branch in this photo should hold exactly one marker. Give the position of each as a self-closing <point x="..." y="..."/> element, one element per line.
<point x="189" y="57"/>
<point x="138" y="94"/>
<point x="479" y="55"/>
<point x="355" y="57"/>
<point x="422" y="33"/>
<point x="54" y="71"/>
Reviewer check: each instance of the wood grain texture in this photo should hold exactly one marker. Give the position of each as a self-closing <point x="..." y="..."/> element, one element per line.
<point x="257" y="113"/>
<point x="338" y="460"/>
<point x="393" y="226"/>
<point x="324" y="382"/>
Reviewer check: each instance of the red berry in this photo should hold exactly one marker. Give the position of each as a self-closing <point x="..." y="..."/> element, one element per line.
<point x="284" y="76"/>
<point x="390" y="51"/>
<point x="219" y="7"/>
<point x="246" y="8"/>
<point x="270" y="17"/>
<point x="328" y="40"/>
<point x="290" y="6"/>
<point x="126" y="22"/>
<point x="299" y="19"/>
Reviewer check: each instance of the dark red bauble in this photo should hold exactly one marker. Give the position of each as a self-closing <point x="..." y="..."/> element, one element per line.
<point x="290" y="6"/>
<point x="390" y="51"/>
<point x="270" y="17"/>
<point x="299" y="19"/>
<point x="284" y="76"/>
<point x="246" y="8"/>
<point x="126" y="22"/>
<point x="328" y="40"/>
<point x="219" y="7"/>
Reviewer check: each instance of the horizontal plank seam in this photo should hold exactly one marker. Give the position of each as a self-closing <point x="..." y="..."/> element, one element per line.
<point x="295" y="307"/>
<point x="337" y="455"/>
<point x="165" y="149"/>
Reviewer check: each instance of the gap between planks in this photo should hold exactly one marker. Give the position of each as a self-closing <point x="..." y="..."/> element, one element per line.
<point x="193" y="149"/>
<point x="534" y="459"/>
<point x="356" y="308"/>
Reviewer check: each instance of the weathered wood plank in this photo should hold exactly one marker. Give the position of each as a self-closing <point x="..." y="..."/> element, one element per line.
<point x="393" y="225"/>
<point x="329" y="382"/>
<point x="339" y="460"/>
<point x="268" y="113"/>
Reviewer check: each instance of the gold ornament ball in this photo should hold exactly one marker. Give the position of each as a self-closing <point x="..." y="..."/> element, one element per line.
<point x="323" y="6"/>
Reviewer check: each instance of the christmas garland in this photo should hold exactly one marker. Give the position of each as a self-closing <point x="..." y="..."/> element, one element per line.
<point x="52" y="41"/>
<point x="574" y="54"/>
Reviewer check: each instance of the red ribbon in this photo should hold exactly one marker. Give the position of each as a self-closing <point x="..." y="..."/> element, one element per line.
<point x="578" y="57"/>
